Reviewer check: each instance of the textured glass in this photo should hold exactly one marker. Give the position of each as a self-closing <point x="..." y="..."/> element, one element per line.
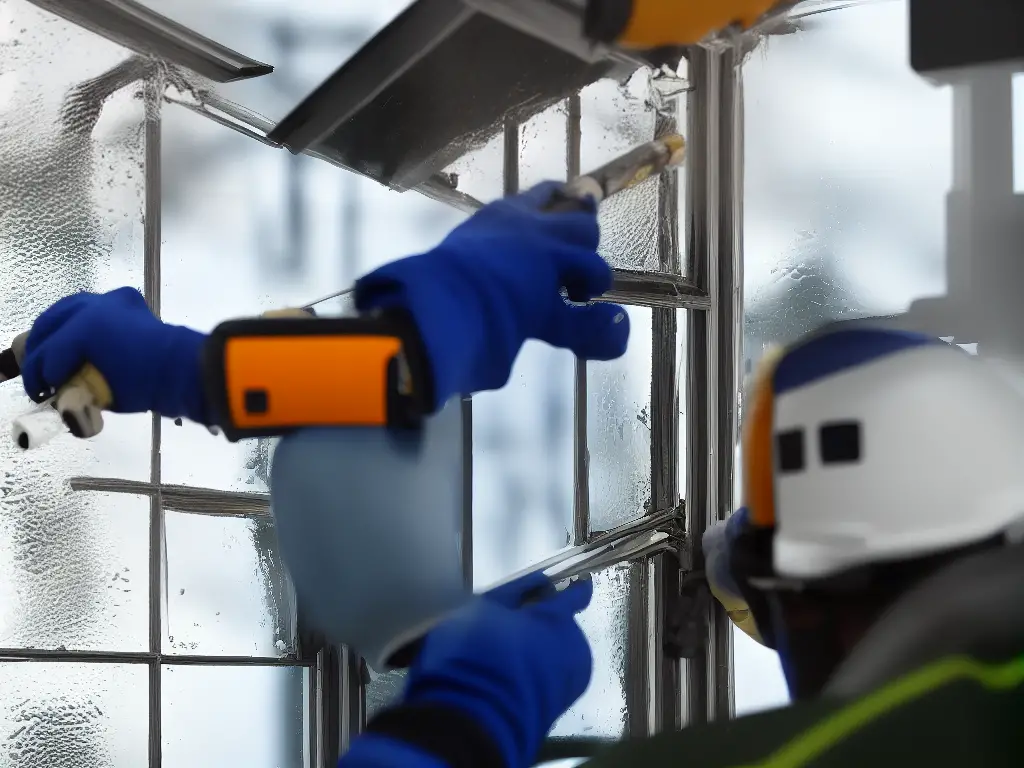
<point x="248" y="228"/>
<point x="384" y="690"/>
<point x="523" y="465"/>
<point x="234" y="716"/>
<point x="601" y="712"/>
<point x="480" y="173"/>
<point x="227" y="592"/>
<point x="65" y="715"/>
<point x="542" y="153"/>
<point x="615" y="119"/>
<point x="70" y="216"/>
<point x="619" y="429"/>
<point x="848" y="161"/>
<point x="73" y="568"/>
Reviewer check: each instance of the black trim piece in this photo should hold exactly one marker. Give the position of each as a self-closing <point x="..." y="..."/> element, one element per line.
<point x="448" y="734"/>
<point x="953" y="34"/>
<point x="434" y="85"/>
<point x="409" y="396"/>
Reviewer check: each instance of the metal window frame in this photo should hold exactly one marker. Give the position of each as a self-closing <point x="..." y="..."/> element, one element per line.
<point x="662" y="693"/>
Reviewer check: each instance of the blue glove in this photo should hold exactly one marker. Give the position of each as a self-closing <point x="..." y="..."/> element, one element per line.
<point x="495" y="282"/>
<point x="148" y="364"/>
<point x="509" y="669"/>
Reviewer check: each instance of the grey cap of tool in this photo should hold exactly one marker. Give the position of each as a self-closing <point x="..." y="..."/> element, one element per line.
<point x="369" y="522"/>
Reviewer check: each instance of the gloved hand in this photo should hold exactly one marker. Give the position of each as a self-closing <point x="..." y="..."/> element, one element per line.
<point x="495" y="282"/>
<point x="148" y="364"/>
<point x="510" y="669"/>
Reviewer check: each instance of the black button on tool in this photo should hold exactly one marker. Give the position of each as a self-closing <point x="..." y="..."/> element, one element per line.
<point x="256" y="401"/>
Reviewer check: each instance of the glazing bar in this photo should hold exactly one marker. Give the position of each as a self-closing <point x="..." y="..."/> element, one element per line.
<point x="581" y="450"/>
<point x="702" y="213"/>
<point x="118" y="657"/>
<point x="653" y="683"/>
<point x="144" y="31"/>
<point x="562" y="564"/>
<point x="657" y="289"/>
<point x="152" y="280"/>
<point x="727" y="295"/>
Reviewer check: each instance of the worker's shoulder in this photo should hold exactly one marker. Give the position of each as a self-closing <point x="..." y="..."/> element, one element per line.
<point x="954" y="712"/>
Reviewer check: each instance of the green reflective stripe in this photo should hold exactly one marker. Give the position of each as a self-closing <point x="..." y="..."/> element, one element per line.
<point x="813" y="742"/>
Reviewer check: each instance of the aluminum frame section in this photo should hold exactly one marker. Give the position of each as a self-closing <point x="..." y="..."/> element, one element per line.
<point x="385" y="115"/>
<point x="146" y="32"/>
<point x="580" y="448"/>
<point x="654" y="692"/>
<point x="714" y="260"/>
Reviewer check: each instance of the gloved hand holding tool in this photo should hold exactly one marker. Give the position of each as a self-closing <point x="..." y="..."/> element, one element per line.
<point x="489" y="682"/>
<point x="448" y="322"/>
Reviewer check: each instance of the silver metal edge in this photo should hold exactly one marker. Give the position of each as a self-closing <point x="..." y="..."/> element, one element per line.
<point x="148" y="33"/>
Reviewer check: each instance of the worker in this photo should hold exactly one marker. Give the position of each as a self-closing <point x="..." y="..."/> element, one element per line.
<point x="879" y="552"/>
<point x="463" y="311"/>
<point x="488" y="683"/>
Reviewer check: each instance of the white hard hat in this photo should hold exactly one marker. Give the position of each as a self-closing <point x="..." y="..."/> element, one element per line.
<point x="864" y="446"/>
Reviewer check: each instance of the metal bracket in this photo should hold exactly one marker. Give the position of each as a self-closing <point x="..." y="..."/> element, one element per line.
<point x="687" y="624"/>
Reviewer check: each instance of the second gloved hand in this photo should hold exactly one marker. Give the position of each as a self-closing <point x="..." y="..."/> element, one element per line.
<point x="495" y="282"/>
<point x="148" y="364"/>
<point x="514" y="668"/>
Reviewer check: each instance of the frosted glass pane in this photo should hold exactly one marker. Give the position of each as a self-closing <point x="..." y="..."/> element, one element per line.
<point x="615" y="119"/>
<point x="73" y="568"/>
<point x="523" y="465"/>
<point x="248" y="228"/>
<point x="70" y="214"/>
<point x="235" y="716"/>
<point x="601" y="712"/>
<point x="542" y="153"/>
<point x="619" y="429"/>
<point x="383" y="691"/>
<point x="480" y="173"/>
<point x="848" y="162"/>
<point x="227" y="591"/>
<point x="65" y="715"/>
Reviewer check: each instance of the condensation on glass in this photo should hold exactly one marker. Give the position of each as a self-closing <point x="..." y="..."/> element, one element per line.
<point x="848" y="160"/>
<point x="227" y="589"/>
<point x="615" y="118"/>
<point x="70" y="220"/>
<point x="480" y="172"/>
<point x="619" y="429"/>
<point x="847" y="164"/>
<point x="219" y="716"/>
<point x="542" y="150"/>
<point x="73" y="570"/>
<point x="70" y="216"/>
<point x="384" y="690"/>
<point x="72" y="715"/>
<point x="601" y="712"/>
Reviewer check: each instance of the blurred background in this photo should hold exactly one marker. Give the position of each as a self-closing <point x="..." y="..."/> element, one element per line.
<point x="848" y="160"/>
